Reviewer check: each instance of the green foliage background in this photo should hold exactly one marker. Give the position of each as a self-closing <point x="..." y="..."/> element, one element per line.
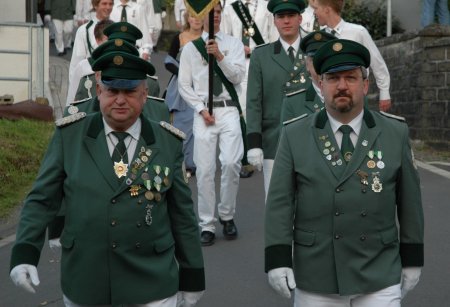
<point x="372" y="17"/>
<point x="22" y="145"/>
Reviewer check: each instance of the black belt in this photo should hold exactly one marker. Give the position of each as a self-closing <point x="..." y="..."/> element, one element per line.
<point x="224" y="103"/>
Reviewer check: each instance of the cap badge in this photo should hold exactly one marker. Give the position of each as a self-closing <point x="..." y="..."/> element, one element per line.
<point x="337" y="47"/>
<point x="118" y="60"/>
<point x="124" y="28"/>
<point x="118" y="42"/>
<point x="317" y="36"/>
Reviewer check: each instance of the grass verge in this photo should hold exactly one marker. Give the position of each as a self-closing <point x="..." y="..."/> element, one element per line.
<point x="22" y="146"/>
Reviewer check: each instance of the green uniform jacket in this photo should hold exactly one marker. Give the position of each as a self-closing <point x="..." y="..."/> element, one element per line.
<point x="300" y="102"/>
<point x="271" y="75"/>
<point x="60" y="9"/>
<point x="159" y="6"/>
<point x="110" y="255"/>
<point x="334" y="230"/>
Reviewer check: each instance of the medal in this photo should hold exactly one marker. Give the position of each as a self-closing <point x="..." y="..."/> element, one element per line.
<point x="120" y="169"/>
<point x="302" y="79"/>
<point x="380" y="164"/>
<point x="134" y="190"/>
<point x="327" y="144"/>
<point x="148" y="215"/>
<point x="371" y="164"/>
<point x="363" y="177"/>
<point x="251" y="31"/>
<point x="348" y="156"/>
<point x="72" y="110"/>
<point x="326" y="151"/>
<point x="149" y="195"/>
<point x="157" y="180"/>
<point x="377" y="186"/>
<point x="88" y="84"/>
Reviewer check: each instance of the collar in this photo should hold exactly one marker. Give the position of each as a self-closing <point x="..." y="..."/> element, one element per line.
<point x="286" y="45"/>
<point x="218" y="35"/>
<point x="338" y="28"/>
<point x="355" y="123"/>
<point x="134" y="130"/>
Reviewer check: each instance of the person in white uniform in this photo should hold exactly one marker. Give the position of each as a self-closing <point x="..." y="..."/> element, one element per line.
<point x="179" y="9"/>
<point x="134" y="13"/>
<point x="328" y="13"/>
<point x="222" y="127"/>
<point x="308" y="20"/>
<point x="83" y="12"/>
<point x="85" y="41"/>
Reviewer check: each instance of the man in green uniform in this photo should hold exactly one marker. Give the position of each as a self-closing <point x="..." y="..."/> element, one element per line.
<point x="310" y="100"/>
<point x="130" y="234"/>
<point x="343" y="179"/>
<point x="275" y="68"/>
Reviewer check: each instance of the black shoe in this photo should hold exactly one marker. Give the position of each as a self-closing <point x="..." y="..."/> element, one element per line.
<point x="155" y="49"/>
<point x="207" y="238"/>
<point x="246" y="171"/>
<point x="62" y="53"/>
<point x="229" y="229"/>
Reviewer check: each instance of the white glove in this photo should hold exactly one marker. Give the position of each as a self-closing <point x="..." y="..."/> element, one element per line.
<point x="282" y="281"/>
<point x="410" y="278"/>
<point x="163" y="14"/>
<point x="54" y="244"/>
<point x="24" y="275"/>
<point x="255" y="157"/>
<point x="188" y="299"/>
<point x="47" y="18"/>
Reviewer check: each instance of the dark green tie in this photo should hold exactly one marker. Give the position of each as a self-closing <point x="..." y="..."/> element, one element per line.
<point x="120" y="151"/>
<point x="217" y="86"/>
<point x="316" y="26"/>
<point x="291" y="53"/>
<point x="346" y="145"/>
<point x="333" y="31"/>
<point x="123" y="16"/>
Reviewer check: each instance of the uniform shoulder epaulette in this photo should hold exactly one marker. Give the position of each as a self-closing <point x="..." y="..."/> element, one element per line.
<point x="155" y="98"/>
<point x="287" y="122"/>
<point x="295" y="92"/>
<point x="152" y="77"/>
<point x="70" y="119"/>
<point x="175" y="131"/>
<point x="81" y="100"/>
<point x="262" y="45"/>
<point x="393" y="116"/>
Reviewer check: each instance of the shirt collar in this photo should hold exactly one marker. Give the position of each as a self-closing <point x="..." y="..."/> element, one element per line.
<point x="286" y="45"/>
<point x="134" y="130"/>
<point x="355" y="123"/>
<point x="218" y="35"/>
<point x="338" y="27"/>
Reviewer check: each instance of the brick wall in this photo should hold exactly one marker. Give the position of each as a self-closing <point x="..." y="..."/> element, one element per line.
<point x="419" y="65"/>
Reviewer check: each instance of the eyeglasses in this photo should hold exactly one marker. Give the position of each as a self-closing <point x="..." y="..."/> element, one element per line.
<point x="336" y="79"/>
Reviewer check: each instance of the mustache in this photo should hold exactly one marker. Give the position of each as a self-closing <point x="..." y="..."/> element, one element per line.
<point x="342" y="94"/>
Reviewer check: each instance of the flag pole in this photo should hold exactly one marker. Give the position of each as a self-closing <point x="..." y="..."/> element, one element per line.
<point x="211" y="61"/>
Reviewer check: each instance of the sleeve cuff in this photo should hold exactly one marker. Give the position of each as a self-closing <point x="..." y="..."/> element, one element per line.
<point x="278" y="256"/>
<point x="254" y="140"/>
<point x="56" y="227"/>
<point x="384" y="95"/>
<point x="192" y="280"/>
<point x="24" y="254"/>
<point x="411" y="255"/>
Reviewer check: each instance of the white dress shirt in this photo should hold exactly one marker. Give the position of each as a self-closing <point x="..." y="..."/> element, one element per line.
<point x="179" y="9"/>
<point x="307" y="24"/>
<point x="193" y="72"/>
<point x="130" y="141"/>
<point x="80" y="46"/>
<point x="295" y="45"/>
<point x="83" y="10"/>
<point x="232" y="25"/>
<point x="355" y="124"/>
<point x="135" y="16"/>
<point x="358" y="33"/>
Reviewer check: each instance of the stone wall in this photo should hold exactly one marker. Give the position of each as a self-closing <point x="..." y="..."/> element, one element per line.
<point x="419" y="65"/>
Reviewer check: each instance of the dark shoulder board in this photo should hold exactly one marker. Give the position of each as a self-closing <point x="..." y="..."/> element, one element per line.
<point x="287" y="122"/>
<point x="65" y="121"/>
<point x="175" y="131"/>
<point x="295" y="92"/>
<point x="155" y="98"/>
<point x="400" y="118"/>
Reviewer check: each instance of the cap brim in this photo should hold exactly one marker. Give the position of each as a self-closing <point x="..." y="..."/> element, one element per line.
<point x="344" y="67"/>
<point x="121" y="84"/>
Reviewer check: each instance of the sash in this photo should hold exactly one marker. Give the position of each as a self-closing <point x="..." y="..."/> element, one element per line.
<point x="257" y="37"/>
<point x="89" y="45"/>
<point x="199" y="43"/>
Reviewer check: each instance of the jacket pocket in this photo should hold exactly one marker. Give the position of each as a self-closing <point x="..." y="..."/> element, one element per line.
<point x="163" y="245"/>
<point x="389" y="236"/>
<point x="304" y="237"/>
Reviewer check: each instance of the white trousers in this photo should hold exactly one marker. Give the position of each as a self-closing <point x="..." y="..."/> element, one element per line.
<point x="63" y="34"/>
<point x="387" y="297"/>
<point x="267" y="171"/>
<point x="155" y="28"/>
<point x="167" y="302"/>
<point x="227" y="132"/>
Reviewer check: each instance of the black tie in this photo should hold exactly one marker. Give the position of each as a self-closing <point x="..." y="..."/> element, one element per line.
<point x="291" y="53"/>
<point x="120" y="151"/>
<point x="333" y="31"/>
<point x="123" y="16"/>
<point x="346" y="145"/>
